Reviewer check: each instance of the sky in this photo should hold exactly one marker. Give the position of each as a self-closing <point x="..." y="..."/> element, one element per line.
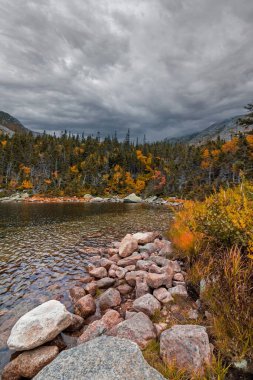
<point x="162" y="68"/>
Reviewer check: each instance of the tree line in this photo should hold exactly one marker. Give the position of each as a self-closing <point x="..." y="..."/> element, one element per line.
<point x="75" y="165"/>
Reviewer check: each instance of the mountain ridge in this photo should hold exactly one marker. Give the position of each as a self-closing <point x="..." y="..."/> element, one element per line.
<point x="10" y="125"/>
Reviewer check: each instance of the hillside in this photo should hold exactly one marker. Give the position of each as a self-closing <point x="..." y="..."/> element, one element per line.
<point x="224" y="129"/>
<point x="10" y="125"/>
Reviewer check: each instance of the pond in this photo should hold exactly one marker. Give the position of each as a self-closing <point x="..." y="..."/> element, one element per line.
<point x="44" y="249"/>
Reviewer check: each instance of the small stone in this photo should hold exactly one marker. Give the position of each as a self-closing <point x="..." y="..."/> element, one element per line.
<point x="141" y="287"/>
<point x="131" y="276"/>
<point x="124" y="289"/>
<point x="178" y="277"/>
<point x="148" y="304"/>
<point x="85" y="306"/>
<point x="115" y="258"/>
<point x="130" y="268"/>
<point x="76" y="293"/>
<point x="160" y="327"/>
<point x="91" y="288"/>
<point x="160" y="261"/>
<point x="98" y="272"/>
<point x="110" y="319"/>
<point x="193" y="314"/>
<point x="143" y="264"/>
<point x="130" y="260"/>
<point x="155" y="280"/>
<point x="105" y="283"/>
<point x="153" y="268"/>
<point x="127" y="246"/>
<point x="145" y="237"/>
<point x="120" y="273"/>
<point x="163" y="295"/>
<point x="105" y="263"/>
<point x="76" y="324"/>
<point x="109" y="299"/>
<point x="178" y="290"/>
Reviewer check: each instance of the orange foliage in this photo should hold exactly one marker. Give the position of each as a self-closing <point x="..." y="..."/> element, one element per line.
<point x="230" y="146"/>
<point x="4" y="143"/>
<point x="27" y="184"/>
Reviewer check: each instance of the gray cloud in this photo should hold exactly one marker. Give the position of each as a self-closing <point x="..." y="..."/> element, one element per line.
<point x="160" y="67"/>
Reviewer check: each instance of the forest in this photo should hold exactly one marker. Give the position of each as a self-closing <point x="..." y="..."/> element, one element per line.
<point x="76" y="165"/>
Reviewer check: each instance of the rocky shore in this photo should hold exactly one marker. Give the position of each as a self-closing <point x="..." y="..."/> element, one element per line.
<point x="88" y="198"/>
<point x="135" y="293"/>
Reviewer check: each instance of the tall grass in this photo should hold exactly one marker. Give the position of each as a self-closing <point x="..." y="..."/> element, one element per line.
<point x="216" y="238"/>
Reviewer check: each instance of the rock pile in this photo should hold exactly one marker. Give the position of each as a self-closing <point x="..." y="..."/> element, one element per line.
<point x="131" y="286"/>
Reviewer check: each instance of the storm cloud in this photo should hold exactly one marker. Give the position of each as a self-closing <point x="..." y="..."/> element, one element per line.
<point x="159" y="67"/>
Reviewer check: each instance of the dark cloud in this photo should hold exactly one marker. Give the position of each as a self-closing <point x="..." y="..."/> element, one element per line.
<point x="159" y="67"/>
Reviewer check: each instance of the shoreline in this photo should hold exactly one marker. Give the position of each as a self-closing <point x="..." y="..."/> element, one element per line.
<point x="131" y="199"/>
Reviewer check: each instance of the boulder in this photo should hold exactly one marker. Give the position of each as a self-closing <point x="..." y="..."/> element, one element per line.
<point x="105" y="283"/>
<point x="139" y="329"/>
<point x="102" y="358"/>
<point x="110" y="298"/>
<point x="131" y="276"/>
<point x="85" y="306"/>
<point x="29" y="363"/>
<point x="127" y="246"/>
<point x="100" y="272"/>
<point x="130" y="260"/>
<point x="178" y="290"/>
<point x="163" y="295"/>
<point x="145" y="237"/>
<point x="39" y="326"/>
<point x="187" y="345"/>
<point x="110" y="319"/>
<point x="148" y="304"/>
<point x="132" y="198"/>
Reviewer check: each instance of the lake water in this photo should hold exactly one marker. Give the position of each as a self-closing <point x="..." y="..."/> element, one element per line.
<point x="44" y="249"/>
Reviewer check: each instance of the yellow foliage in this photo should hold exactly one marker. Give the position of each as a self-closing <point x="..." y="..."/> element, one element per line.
<point x="4" y="143"/>
<point x="74" y="169"/>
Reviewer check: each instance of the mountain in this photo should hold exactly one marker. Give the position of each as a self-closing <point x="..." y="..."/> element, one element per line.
<point x="11" y="125"/>
<point x="224" y="129"/>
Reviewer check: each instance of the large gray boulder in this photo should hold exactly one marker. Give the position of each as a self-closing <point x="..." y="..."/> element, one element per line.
<point x="132" y="198"/>
<point x="39" y="326"/>
<point x="103" y="358"/>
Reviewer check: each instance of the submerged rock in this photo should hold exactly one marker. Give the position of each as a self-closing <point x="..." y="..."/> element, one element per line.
<point x="39" y="326"/>
<point x="102" y="358"/>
